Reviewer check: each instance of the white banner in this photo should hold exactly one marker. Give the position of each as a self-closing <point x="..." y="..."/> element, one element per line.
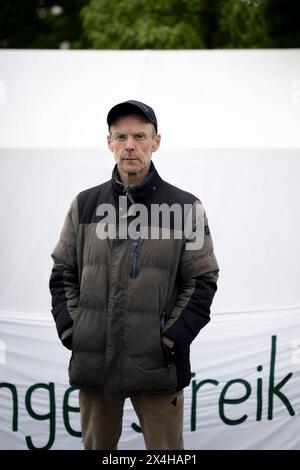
<point x="244" y="393"/>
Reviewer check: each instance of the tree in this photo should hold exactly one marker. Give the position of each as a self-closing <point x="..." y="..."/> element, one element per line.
<point x="40" y="23"/>
<point x="190" y="24"/>
<point x="282" y="22"/>
<point x="244" y="24"/>
<point x="142" y="24"/>
<point x="145" y="24"/>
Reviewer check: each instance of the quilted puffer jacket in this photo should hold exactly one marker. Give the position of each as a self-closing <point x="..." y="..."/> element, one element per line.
<point x="117" y="301"/>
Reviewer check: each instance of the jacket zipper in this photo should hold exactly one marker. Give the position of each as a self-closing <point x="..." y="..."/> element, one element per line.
<point x="135" y="257"/>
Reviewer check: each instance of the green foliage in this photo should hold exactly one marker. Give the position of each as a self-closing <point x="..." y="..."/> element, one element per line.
<point x="244" y="24"/>
<point x="190" y="24"/>
<point x="141" y="24"/>
<point x="146" y="24"/>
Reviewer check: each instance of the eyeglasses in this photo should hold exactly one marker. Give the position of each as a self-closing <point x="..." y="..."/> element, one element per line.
<point x="121" y="137"/>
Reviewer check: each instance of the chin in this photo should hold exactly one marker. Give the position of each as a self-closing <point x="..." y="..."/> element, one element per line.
<point x="130" y="173"/>
<point x="131" y="168"/>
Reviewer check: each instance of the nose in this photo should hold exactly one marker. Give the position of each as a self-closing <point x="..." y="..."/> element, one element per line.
<point x="130" y="144"/>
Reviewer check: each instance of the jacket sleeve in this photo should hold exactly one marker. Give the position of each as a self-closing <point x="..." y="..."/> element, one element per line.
<point x="64" y="283"/>
<point x="197" y="283"/>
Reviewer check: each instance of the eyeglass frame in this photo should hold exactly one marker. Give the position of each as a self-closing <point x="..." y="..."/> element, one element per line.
<point x="133" y="134"/>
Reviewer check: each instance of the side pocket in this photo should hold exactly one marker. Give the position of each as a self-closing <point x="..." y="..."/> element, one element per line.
<point x="163" y="315"/>
<point x="168" y="352"/>
<point x="169" y="355"/>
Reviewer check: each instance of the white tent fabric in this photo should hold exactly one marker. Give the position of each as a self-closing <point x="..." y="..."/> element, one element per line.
<point x="245" y="391"/>
<point x="223" y="99"/>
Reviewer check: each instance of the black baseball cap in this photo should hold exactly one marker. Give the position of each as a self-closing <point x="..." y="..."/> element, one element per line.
<point x="129" y="107"/>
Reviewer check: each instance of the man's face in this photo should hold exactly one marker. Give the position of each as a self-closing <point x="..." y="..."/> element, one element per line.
<point x="132" y="141"/>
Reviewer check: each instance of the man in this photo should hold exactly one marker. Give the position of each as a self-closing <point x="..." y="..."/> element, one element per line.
<point x="133" y="280"/>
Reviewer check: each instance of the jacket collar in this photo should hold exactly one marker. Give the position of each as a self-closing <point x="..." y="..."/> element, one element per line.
<point x="140" y="192"/>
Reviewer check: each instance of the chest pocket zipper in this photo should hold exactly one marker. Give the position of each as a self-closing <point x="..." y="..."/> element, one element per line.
<point x="135" y="253"/>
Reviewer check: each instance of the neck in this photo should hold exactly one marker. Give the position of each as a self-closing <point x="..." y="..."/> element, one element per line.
<point x="132" y="179"/>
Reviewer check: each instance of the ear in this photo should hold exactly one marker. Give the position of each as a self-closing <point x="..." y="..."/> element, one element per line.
<point x="156" y="142"/>
<point x="109" y="143"/>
